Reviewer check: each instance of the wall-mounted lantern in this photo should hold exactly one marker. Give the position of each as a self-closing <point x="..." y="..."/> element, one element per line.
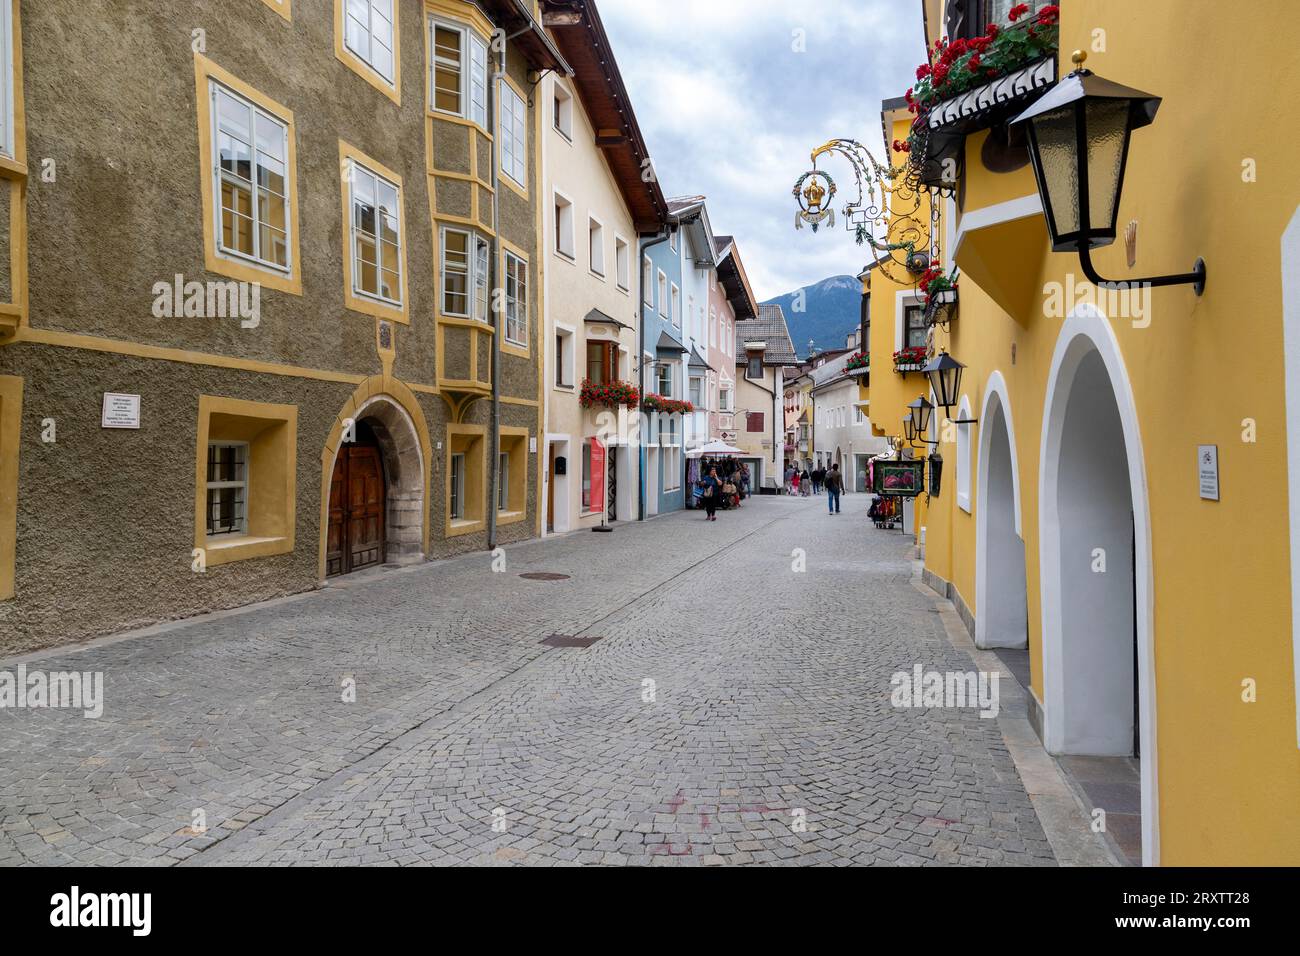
<point x="944" y="373"/>
<point x="909" y="429"/>
<point x="936" y="474"/>
<point x="920" y="412"/>
<point x="1078" y="135"/>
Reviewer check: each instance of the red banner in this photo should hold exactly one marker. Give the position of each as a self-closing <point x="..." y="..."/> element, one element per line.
<point x="597" y="476"/>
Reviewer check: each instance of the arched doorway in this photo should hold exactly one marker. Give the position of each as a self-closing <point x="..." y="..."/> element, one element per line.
<point x="355" y="535"/>
<point x="1096" y="577"/>
<point x="1001" y="591"/>
<point x="374" y="487"/>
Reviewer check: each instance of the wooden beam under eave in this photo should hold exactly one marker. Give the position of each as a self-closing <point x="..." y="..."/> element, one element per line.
<point x="570" y="18"/>
<point x="608" y="138"/>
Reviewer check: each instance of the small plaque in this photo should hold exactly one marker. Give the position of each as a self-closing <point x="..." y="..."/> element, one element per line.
<point x="532" y="445"/>
<point x="1207" y="470"/>
<point x="120" y="411"/>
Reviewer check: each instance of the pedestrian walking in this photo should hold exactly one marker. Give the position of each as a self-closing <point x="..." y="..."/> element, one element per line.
<point x="795" y="478"/>
<point x="789" y="480"/>
<point x="710" y="494"/>
<point x="744" y="484"/>
<point x="819" y="479"/>
<point x="834" y="485"/>
<point x="805" y="484"/>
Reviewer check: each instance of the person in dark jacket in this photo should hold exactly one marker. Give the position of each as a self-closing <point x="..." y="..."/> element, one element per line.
<point x="834" y="485"/>
<point x="711" y="492"/>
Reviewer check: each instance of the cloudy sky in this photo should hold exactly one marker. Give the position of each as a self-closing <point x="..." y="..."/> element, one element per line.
<point x="731" y="110"/>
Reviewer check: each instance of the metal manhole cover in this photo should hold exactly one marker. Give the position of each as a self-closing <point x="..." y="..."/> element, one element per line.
<point x="565" y="640"/>
<point x="544" y="576"/>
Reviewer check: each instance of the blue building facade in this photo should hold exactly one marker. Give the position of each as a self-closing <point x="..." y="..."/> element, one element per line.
<point x="663" y="370"/>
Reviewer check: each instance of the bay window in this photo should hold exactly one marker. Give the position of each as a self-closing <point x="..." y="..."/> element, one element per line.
<point x="460" y="71"/>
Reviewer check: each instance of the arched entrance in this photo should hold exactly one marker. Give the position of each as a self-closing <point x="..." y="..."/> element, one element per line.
<point x="1001" y="592"/>
<point x="374" y="486"/>
<point x="1096" y="570"/>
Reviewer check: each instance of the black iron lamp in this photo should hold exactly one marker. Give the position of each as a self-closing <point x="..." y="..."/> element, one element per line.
<point x="944" y="373"/>
<point x="909" y="429"/>
<point x="920" y="413"/>
<point x="935" y="461"/>
<point x="1078" y="136"/>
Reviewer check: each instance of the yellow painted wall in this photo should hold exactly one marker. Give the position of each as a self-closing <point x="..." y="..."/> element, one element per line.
<point x="1229" y="772"/>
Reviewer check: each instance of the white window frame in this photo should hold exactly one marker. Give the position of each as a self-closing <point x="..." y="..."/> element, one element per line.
<point x="647" y="281"/>
<point x="514" y="135"/>
<point x="622" y="263"/>
<point x="662" y="295"/>
<point x="595" y="246"/>
<point x="368" y="59"/>
<point x="675" y="306"/>
<point x="725" y="394"/>
<point x="562" y="110"/>
<point x="210" y="486"/>
<point x="354" y="168"/>
<point x="473" y="72"/>
<point x="665" y="369"/>
<point x="565" y="361"/>
<point x="962" y="457"/>
<point x="562" y="210"/>
<point x="477" y="255"/>
<point x="520" y="302"/>
<point x="8" y="79"/>
<point x="216" y="89"/>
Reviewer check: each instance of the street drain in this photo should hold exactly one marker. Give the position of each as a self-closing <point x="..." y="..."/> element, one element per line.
<point x="544" y="576"/>
<point x="566" y="640"/>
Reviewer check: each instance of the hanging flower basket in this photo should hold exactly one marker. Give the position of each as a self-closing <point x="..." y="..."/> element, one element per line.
<point x="667" y="406"/>
<point x="608" y="394"/>
<point x="910" y="359"/>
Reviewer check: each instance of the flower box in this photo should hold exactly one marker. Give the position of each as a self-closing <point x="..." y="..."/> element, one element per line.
<point x="977" y="83"/>
<point x="667" y="406"/>
<point x="858" y="362"/>
<point x="911" y="359"/>
<point x="608" y="394"/>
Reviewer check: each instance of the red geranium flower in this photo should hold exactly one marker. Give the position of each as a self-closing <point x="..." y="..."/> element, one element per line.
<point x="1018" y="11"/>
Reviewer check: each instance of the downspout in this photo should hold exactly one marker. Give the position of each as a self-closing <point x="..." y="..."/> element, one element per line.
<point x="640" y="359"/>
<point x="494" y="271"/>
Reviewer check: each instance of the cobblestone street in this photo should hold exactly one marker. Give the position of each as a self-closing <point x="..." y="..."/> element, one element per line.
<point x="770" y="737"/>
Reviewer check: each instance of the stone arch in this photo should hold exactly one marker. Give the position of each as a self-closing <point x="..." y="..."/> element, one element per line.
<point x="394" y="415"/>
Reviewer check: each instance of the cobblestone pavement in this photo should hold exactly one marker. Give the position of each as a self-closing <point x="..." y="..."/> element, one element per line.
<point x="770" y="737"/>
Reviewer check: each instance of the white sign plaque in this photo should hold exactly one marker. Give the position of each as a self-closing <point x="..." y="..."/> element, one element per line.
<point x="120" y="411"/>
<point x="532" y="445"/>
<point x="1207" y="470"/>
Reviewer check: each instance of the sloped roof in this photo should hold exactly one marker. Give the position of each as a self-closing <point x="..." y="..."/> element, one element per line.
<point x="769" y="327"/>
<point x="579" y="32"/>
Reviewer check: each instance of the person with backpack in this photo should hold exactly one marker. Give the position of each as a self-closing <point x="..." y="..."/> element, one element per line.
<point x="834" y="485"/>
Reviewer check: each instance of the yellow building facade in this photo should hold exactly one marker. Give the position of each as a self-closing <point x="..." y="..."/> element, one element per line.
<point x="1078" y="515"/>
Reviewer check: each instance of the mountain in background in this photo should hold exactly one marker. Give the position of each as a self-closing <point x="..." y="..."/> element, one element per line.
<point x="831" y="310"/>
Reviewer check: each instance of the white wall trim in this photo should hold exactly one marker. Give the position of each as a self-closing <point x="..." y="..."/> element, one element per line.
<point x="902" y="299"/>
<point x="963" y="461"/>
<point x="1020" y="208"/>
<point x="1084" y="331"/>
<point x="1291" y="355"/>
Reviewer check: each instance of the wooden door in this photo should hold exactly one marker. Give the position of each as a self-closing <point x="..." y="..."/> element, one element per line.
<point x="550" y="487"/>
<point x="355" y="536"/>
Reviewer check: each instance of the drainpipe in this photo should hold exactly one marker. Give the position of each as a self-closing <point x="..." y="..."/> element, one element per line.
<point x="640" y="365"/>
<point x="494" y="271"/>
